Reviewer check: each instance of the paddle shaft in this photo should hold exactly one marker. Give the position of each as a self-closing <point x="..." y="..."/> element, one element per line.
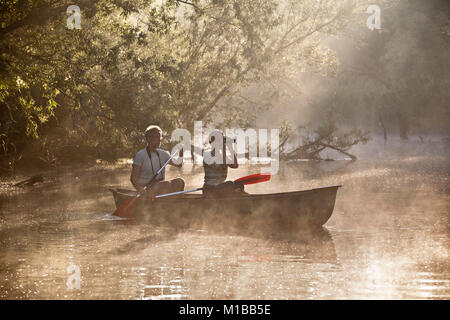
<point x="255" y="178"/>
<point x="178" y="192"/>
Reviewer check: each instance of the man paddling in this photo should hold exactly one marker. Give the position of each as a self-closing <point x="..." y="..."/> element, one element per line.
<point x="148" y="161"/>
<point x="216" y="173"/>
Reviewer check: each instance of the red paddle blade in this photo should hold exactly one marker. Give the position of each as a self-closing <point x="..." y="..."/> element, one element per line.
<point x="255" y="178"/>
<point x="126" y="209"/>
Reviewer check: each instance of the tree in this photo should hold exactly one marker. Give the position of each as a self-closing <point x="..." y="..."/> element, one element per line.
<point x="326" y="136"/>
<point x="133" y="63"/>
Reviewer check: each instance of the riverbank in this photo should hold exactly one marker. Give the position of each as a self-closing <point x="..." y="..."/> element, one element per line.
<point x="61" y="174"/>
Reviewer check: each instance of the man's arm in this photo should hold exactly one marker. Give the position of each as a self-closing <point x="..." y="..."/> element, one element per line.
<point x="181" y="156"/>
<point x="134" y="178"/>
<point x="235" y="164"/>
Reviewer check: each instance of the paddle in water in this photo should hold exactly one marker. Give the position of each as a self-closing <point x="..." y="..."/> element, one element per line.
<point x="252" y="179"/>
<point x="127" y="208"/>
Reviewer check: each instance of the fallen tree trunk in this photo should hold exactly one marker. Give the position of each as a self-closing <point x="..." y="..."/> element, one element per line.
<point x="340" y="150"/>
<point x="302" y="153"/>
<point x="30" y="181"/>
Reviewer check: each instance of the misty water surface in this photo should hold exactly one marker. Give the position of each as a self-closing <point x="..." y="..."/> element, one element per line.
<point x="388" y="237"/>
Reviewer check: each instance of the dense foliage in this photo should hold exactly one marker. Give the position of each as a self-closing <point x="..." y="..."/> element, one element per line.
<point x="66" y="94"/>
<point x="80" y="94"/>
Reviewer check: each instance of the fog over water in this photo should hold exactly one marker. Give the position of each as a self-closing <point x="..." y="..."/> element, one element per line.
<point x="388" y="237"/>
<point x="96" y="89"/>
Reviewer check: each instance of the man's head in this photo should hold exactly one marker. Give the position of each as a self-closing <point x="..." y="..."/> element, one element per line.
<point x="153" y="136"/>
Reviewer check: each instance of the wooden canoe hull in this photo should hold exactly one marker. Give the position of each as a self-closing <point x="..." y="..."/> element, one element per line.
<point x="286" y="210"/>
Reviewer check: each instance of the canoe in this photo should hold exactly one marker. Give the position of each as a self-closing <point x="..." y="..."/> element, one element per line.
<point x="287" y="210"/>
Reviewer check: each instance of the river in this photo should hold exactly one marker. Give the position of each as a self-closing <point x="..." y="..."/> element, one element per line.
<point x="388" y="237"/>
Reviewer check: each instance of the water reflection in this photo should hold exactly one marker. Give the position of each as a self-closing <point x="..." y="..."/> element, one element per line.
<point x="169" y="286"/>
<point x="223" y="266"/>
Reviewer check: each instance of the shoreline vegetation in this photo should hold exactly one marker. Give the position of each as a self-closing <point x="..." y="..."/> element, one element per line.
<point x="72" y="95"/>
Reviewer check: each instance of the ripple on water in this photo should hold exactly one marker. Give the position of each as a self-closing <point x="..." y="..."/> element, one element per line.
<point x="110" y="216"/>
